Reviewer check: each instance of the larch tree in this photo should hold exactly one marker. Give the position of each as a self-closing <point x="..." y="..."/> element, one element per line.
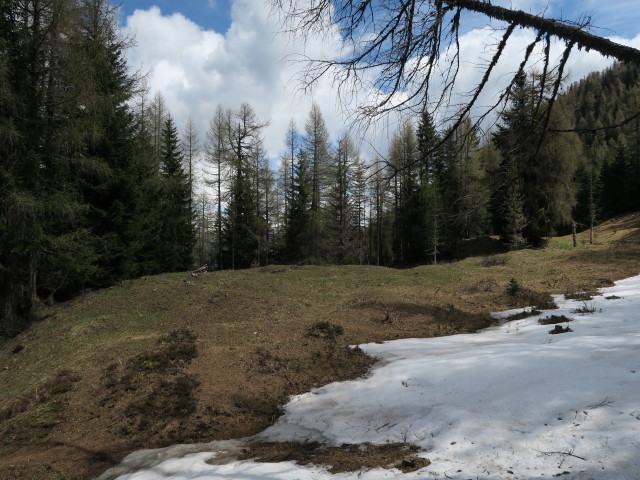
<point x="288" y="160"/>
<point x="360" y="201"/>
<point x="217" y="148"/>
<point x="409" y="225"/>
<point x="316" y="145"/>
<point x="242" y="229"/>
<point x="190" y="149"/>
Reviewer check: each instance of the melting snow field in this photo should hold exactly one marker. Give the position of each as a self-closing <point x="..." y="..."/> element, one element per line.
<point x="511" y="402"/>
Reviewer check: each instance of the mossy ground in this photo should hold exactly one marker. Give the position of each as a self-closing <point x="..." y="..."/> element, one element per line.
<point x="173" y="358"/>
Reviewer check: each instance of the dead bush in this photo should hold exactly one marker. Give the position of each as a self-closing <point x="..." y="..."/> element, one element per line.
<point x="61" y="383"/>
<point x="269" y="363"/>
<point x="539" y="300"/>
<point x="587" y="308"/>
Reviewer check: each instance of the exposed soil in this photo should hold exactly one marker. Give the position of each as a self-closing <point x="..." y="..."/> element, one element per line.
<point x="346" y="458"/>
<point x="554" y="319"/>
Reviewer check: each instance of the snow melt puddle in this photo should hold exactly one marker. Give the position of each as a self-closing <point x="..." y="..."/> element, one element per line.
<point x="510" y="402"/>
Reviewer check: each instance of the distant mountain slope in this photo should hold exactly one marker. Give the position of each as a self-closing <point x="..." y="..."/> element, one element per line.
<point x="611" y="168"/>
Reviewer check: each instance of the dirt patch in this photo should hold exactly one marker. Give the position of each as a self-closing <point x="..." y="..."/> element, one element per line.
<point x="346" y="458"/>
<point x="554" y="319"/>
<point x="523" y="314"/>
<point x="559" y="329"/>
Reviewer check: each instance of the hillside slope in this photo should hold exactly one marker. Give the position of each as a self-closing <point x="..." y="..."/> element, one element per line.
<point x="175" y="358"/>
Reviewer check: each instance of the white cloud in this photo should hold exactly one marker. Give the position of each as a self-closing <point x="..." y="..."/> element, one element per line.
<point x="197" y="69"/>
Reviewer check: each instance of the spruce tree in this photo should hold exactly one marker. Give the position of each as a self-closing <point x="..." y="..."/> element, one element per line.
<point x="340" y="205"/>
<point x="541" y="167"/>
<point x="432" y="175"/>
<point x="299" y="229"/>
<point x="67" y="143"/>
<point x="177" y="232"/>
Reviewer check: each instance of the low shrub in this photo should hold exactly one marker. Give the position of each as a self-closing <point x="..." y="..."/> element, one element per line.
<point x="172" y="398"/>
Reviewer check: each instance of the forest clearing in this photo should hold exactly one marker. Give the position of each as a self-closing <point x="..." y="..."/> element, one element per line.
<point x="82" y="387"/>
<point x="326" y="236"/>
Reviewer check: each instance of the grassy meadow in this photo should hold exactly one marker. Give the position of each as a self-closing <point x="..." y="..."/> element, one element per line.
<point x="176" y="358"/>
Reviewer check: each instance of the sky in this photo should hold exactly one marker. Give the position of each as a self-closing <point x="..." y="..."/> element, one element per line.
<point x="512" y="401"/>
<point x="201" y="53"/>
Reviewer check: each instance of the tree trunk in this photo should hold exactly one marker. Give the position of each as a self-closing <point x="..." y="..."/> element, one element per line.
<point x="550" y="26"/>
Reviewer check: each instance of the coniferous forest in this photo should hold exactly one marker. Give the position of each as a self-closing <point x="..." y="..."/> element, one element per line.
<point x="97" y="182"/>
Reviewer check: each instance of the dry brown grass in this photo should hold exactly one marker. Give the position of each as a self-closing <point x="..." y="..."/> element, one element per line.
<point x="247" y="346"/>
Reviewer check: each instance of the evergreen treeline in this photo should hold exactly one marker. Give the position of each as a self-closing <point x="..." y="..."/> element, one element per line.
<point x="436" y="194"/>
<point x="96" y="184"/>
<point x="91" y="190"/>
<point x="608" y="178"/>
